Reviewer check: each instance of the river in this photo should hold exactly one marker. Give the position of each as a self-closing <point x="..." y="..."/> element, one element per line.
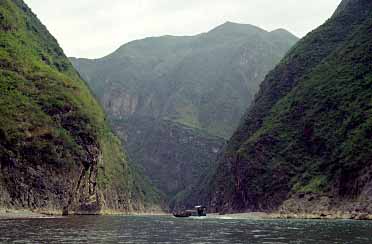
<point x="166" y="229"/>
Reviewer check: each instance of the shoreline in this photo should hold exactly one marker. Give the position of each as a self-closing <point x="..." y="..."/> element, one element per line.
<point x="296" y="216"/>
<point x="13" y="214"/>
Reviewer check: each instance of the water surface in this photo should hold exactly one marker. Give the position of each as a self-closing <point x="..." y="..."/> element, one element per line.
<point x="102" y="229"/>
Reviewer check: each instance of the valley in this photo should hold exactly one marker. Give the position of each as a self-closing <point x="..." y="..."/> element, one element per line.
<point x="174" y="101"/>
<point x="255" y="125"/>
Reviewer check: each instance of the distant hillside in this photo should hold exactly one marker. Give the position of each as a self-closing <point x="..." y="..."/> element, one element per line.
<point x="200" y="85"/>
<point x="203" y="81"/>
<point x="172" y="155"/>
<point x="304" y="146"/>
<point x="57" y="153"/>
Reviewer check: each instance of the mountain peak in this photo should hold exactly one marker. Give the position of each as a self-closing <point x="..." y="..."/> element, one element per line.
<point x="232" y="27"/>
<point x="230" y="23"/>
<point x="280" y="30"/>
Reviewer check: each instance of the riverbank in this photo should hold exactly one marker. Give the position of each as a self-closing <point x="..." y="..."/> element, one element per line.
<point x="149" y="213"/>
<point x="325" y="216"/>
<point x="7" y="214"/>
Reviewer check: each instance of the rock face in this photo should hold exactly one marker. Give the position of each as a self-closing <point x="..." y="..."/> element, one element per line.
<point x="172" y="154"/>
<point x="184" y="93"/>
<point x="57" y="153"/>
<point x="304" y="146"/>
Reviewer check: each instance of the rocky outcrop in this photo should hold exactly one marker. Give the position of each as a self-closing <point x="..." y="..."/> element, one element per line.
<point x="50" y="189"/>
<point x="119" y="103"/>
<point x="325" y="206"/>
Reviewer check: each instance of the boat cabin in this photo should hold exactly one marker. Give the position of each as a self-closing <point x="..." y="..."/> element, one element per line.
<point x="201" y="210"/>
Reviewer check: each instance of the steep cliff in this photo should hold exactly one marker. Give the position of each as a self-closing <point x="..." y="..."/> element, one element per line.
<point x="304" y="146"/>
<point x="186" y="94"/>
<point x="57" y="153"/>
<point x="173" y="155"/>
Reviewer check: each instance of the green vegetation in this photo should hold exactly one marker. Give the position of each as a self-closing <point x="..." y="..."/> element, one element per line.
<point x="173" y="100"/>
<point x="203" y="81"/>
<point x="48" y="116"/>
<point x="317" y="185"/>
<point x="310" y="127"/>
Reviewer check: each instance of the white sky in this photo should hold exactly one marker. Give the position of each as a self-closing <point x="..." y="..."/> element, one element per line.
<point x="95" y="28"/>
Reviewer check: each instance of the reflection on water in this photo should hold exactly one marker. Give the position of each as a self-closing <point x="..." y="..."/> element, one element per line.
<point x="94" y="229"/>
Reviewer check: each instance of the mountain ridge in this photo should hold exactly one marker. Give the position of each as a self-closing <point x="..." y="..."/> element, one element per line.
<point x="225" y="25"/>
<point x="156" y="52"/>
<point x="302" y="149"/>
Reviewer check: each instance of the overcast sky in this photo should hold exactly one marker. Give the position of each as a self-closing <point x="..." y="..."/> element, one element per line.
<point x="95" y="28"/>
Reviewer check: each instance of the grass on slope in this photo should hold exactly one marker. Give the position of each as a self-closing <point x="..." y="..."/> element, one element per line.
<point x="47" y="113"/>
<point x="323" y="127"/>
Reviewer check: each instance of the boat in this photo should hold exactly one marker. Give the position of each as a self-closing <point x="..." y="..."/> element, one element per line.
<point x="199" y="211"/>
<point x="183" y="214"/>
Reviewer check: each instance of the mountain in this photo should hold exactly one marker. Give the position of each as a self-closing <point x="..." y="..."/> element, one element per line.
<point x="57" y="153"/>
<point x="185" y="94"/>
<point x="304" y="147"/>
<point x="203" y="81"/>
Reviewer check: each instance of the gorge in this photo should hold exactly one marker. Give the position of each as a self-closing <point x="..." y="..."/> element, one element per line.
<point x="239" y="119"/>
<point x="175" y="100"/>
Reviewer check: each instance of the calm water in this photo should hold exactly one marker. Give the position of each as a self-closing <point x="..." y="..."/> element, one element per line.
<point x="92" y="229"/>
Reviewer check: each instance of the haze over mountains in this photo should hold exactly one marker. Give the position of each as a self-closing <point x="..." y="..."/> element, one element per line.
<point x="203" y="81"/>
<point x="174" y="100"/>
